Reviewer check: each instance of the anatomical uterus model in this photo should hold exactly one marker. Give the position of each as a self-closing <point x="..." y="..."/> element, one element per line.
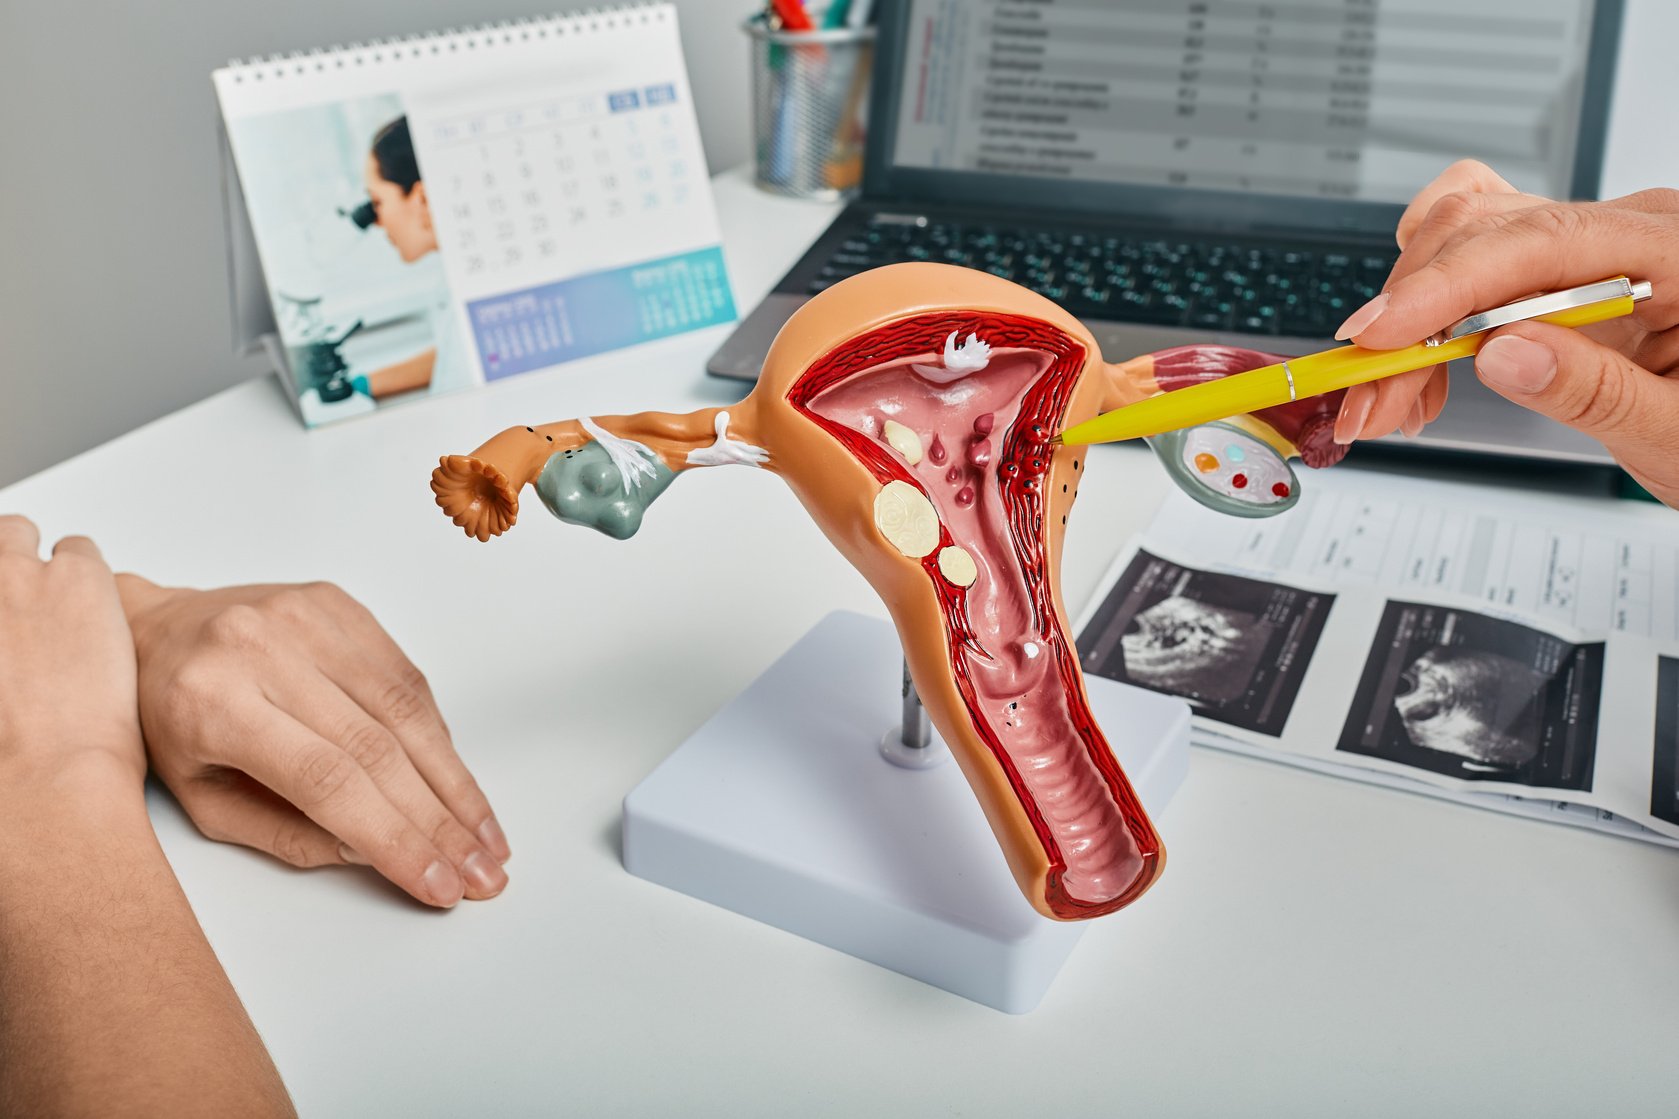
<point x="912" y="410"/>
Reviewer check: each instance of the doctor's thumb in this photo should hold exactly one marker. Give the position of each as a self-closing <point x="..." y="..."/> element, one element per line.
<point x="1562" y="374"/>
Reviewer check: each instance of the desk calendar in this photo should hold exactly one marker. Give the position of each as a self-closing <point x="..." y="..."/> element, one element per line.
<point x="436" y="212"/>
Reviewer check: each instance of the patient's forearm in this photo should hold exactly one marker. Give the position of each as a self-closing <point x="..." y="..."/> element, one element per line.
<point x="111" y="1000"/>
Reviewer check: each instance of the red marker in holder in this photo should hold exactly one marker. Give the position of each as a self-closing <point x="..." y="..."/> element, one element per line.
<point x="792" y="15"/>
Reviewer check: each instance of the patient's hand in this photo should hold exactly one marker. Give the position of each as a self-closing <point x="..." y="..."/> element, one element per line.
<point x="114" y="1003"/>
<point x="66" y="664"/>
<point x="284" y="718"/>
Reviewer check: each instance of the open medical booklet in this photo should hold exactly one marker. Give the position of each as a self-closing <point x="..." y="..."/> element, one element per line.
<point x="1508" y="651"/>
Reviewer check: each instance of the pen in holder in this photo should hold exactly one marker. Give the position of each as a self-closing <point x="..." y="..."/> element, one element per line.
<point x="809" y="106"/>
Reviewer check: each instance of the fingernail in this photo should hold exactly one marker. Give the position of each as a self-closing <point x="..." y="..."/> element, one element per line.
<point x="1412" y="427"/>
<point x="483" y="875"/>
<point x="1516" y="364"/>
<point x="490" y="835"/>
<point x="1355" y="409"/>
<point x="1359" y="321"/>
<point x="442" y="884"/>
<point x="351" y="855"/>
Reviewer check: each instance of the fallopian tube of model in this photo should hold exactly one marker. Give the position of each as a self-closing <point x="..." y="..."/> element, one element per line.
<point x="911" y="409"/>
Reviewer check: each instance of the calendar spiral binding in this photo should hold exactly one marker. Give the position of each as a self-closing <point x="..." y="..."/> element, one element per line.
<point x="401" y="48"/>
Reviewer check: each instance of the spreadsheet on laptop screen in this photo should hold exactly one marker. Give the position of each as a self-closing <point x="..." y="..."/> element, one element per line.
<point x="1362" y="100"/>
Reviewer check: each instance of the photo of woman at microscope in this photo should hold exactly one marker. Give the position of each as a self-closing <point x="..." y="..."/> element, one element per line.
<point x="397" y="203"/>
<point x="364" y="320"/>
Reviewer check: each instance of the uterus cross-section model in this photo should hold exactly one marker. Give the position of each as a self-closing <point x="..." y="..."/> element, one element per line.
<point x="912" y="410"/>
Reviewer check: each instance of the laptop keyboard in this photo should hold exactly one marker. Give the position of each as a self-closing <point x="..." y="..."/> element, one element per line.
<point x="1202" y="285"/>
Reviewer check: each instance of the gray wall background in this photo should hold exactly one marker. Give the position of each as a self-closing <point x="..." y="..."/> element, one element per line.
<point x="113" y="280"/>
<point x="113" y="301"/>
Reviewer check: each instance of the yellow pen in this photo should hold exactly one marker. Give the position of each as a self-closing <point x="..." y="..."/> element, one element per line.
<point x="1316" y="374"/>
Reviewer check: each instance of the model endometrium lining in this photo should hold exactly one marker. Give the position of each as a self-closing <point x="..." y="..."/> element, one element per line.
<point x="911" y="410"/>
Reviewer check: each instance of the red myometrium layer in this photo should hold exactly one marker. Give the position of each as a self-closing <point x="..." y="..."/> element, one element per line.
<point x="1113" y="860"/>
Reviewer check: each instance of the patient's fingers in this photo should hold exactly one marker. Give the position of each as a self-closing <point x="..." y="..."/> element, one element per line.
<point x="334" y="790"/>
<point x="79" y="546"/>
<point x="323" y="707"/>
<point x="232" y="808"/>
<point x="378" y="675"/>
<point x="19" y="534"/>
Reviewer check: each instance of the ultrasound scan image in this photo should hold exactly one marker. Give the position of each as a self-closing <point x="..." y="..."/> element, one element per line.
<point x="1478" y="698"/>
<point x="1236" y="648"/>
<point x="1473" y="704"/>
<point x="1186" y="647"/>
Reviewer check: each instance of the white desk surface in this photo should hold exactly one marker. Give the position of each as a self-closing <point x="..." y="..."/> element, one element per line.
<point x="1316" y="947"/>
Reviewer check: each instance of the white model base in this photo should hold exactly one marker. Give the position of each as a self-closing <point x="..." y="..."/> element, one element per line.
<point x="782" y="808"/>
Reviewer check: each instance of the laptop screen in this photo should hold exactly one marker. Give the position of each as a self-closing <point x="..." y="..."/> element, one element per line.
<point x="1353" y="100"/>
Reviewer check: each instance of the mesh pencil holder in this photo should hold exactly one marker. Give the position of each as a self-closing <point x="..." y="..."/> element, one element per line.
<point x="810" y="92"/>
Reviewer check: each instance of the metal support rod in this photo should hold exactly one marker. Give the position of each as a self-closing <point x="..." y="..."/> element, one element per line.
<point x="917" y="735"/>
<point x="911" y="744"/>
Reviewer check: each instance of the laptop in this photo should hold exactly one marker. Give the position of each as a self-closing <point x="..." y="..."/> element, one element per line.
<point x="1178" y="171"/>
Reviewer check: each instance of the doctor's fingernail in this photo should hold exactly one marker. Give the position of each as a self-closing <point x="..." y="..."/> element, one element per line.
<point x="1413" y="425"/>
<point x="490" y="835"/>
<point x="441" y="884"/>
<point x="1516" y="364"/>
<point x="1355" y="409"/>
<point x="351" y="855"/>
<point x="1360" y="320"/>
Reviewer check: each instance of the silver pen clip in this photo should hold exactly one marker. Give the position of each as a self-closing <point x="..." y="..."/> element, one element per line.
<point x="1549" y="304"/>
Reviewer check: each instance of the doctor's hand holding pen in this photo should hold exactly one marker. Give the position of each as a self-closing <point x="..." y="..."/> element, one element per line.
<point x="1470" y="241"/>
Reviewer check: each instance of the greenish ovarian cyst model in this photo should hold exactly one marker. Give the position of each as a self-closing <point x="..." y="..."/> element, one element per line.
<point x="582" y="486"/>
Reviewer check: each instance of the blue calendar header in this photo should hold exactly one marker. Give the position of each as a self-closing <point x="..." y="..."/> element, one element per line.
<point x="624" y="100"/>
<point x="600" y="311"/>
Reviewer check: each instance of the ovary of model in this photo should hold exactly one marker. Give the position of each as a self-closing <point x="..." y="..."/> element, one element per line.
<point x="911" y="409"/>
